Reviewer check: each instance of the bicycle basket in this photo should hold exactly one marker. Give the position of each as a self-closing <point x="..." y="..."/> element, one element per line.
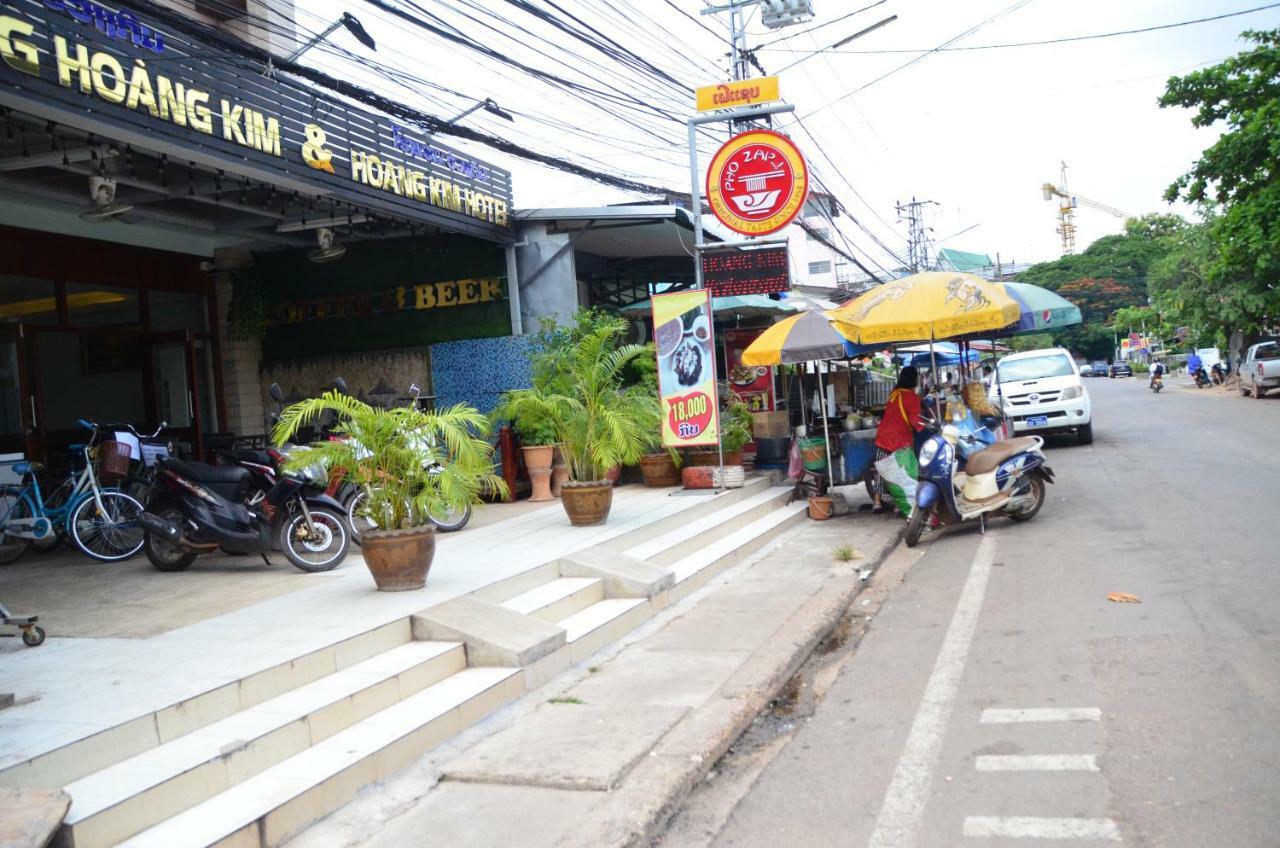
<point x="113" y="461"/>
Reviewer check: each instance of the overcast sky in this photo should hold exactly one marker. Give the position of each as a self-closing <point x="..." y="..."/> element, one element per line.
<point x="975" y="131"/>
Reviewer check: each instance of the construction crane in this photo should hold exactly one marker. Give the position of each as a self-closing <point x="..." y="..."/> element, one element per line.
<point x="1067" y="210"/>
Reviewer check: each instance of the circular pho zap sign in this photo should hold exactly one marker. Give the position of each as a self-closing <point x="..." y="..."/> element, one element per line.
<point x="757" y="182"/>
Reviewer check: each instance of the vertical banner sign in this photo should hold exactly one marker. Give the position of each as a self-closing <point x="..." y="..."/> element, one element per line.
<point x="682" y="332"/>
<point x="753" y="384"/>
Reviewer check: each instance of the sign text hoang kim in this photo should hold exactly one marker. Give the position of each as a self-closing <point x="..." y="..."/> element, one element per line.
<point x="113" y="65"/>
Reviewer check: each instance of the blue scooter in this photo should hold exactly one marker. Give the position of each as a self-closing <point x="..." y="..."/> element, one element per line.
<point x="1008" y="477"/>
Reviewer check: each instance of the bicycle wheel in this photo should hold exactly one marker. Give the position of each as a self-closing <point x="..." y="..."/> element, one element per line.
<point x="110" y="534"/>
<point x="12" y="506"/>
<point x="357" y="518"/>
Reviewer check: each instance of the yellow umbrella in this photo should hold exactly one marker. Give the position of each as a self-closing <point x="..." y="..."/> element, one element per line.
<point x="926" y="306"/>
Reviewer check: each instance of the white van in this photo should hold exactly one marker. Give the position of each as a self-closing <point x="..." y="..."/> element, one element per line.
<point x="1041" y="392"/>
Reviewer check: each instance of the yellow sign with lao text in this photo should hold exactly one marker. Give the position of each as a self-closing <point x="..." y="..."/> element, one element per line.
<point x="682" y="334"/>
<point x="729" y="95"/>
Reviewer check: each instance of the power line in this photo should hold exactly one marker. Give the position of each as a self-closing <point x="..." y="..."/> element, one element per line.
<point x="1065" y="40"/>
<point x="970" y="31"/>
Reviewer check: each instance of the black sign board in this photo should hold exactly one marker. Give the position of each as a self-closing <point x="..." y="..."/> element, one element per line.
<point x="762" y="271"/>
<point x="110" y="71"/>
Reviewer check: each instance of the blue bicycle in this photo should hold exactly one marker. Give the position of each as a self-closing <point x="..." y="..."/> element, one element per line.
<point x="101" y="521"/>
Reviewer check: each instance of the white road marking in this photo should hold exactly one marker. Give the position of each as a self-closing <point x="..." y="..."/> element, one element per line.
<point x="1033" y="827"/>
<point x="996" y="716"/>
<point x="1037" y="762"/>
<point x="903" y="807"/>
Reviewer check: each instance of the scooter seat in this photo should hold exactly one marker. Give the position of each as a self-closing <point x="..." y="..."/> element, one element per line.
<point x="989" y="460"/>
<point x="200" y="472"/>
<point x="259" y="457"/>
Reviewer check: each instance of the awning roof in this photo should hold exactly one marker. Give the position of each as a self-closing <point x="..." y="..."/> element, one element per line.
<point x="627" y="232"/>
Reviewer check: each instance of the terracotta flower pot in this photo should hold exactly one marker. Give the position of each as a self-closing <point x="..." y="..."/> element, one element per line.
<point x="538" y="461"/>
<point x="559" y="471"/>
<point x="587" y="503"/>
<point x="659" y="470"/>
<point x="559" y="474"/>
<point x="399" y="559"/>
<point x="613" y="475"/>
<point x="734" y="458"/>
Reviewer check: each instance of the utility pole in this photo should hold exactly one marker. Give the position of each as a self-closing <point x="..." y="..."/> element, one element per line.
<point x="917" y="233"/>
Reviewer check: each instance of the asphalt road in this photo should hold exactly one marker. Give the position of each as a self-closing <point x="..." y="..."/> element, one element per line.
<point x="1153" y="723"/>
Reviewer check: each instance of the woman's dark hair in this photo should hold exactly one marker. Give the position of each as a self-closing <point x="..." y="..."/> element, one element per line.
<point x="909" y="378"/>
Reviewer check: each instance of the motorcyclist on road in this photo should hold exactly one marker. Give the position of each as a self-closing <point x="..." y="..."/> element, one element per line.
<point x="1157" y="372"/>
<point x="1194" y="364"/>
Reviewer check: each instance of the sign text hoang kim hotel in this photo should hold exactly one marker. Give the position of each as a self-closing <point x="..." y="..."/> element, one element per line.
<point x="99" y="68"/>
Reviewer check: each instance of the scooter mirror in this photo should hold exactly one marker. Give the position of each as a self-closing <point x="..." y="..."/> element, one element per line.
<point x="277" y="393"/>
<point x="341" y="385"/>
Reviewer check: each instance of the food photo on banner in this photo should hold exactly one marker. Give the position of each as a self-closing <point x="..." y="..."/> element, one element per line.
<point x="753" y="384"/>
<point x="686" y="368"/>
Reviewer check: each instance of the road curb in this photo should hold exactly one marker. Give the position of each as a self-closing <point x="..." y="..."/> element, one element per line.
<point x="635" y="812"/>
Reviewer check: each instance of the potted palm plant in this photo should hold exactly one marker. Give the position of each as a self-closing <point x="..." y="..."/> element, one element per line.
<point x="411" y="465"/>
<point x="538" y="444"/>
<point x="599" y="423"/>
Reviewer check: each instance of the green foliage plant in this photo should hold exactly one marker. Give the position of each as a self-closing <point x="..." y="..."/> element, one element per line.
<point x="735" y="426"/>
<point x="382" y="450"/>
<point x="599" y="421"/>
<point x="1227" y="275"/>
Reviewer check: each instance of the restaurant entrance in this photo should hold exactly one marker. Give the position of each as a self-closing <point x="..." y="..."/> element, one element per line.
<point x="137" y="350"/>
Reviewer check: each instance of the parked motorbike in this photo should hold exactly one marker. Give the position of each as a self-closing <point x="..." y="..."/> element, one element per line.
<point x="244" y="507"/>
<point x="1157" y="383"/>
<point x="1219" y="373"/>
<point x="1008" y="477"/>
<point x="1202" y="378"/>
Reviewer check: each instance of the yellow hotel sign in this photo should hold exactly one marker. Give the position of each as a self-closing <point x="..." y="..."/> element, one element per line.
<point x="729" y="95"/>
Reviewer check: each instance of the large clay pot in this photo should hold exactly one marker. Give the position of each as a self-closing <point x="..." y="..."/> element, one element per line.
<point x="613" y="475"/>
<point x="587" y="503"/>
<point x="399" y="559"/>
<point x="659" y="470"/>
<point x="702" y="458"/>
<point x="734" y="458"/>
<point x="538" y="461"/>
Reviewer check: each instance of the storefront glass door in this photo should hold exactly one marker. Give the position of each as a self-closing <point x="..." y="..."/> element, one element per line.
<point x="13" y="412"/>
<point x="175" y="387"/>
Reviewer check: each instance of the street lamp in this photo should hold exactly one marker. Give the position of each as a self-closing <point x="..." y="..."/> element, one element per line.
<point x="489" y="106"/>
<point x="353" y="26"/>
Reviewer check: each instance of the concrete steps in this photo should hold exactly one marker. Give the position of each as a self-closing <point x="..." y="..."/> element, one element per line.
<point x="296" y="744"/>
<point x="673" y="545"/>
<point x="275" y="804"/>
<point x="134" y="794"/>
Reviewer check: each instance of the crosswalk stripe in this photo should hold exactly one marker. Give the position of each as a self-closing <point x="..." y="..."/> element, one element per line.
<point x="1036" y="762"/>
<point x="1005" y="716"/>
<point x="1034" y="827"/>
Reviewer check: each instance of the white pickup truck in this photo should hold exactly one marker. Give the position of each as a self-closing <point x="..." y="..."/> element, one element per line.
<point x="1260" y="369"/>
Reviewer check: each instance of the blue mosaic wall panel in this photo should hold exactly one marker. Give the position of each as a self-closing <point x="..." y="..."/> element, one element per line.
<point x="478" y="371"/>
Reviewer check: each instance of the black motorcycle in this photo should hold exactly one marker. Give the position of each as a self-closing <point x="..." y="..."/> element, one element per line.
<point x="196" y="508"/>
<point x="1202" y="378"/>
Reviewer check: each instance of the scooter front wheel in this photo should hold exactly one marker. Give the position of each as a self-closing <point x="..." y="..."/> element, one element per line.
<point x="915" y="526"/>
<point x="321" y="550"/>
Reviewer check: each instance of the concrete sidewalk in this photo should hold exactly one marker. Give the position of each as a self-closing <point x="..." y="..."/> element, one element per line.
<point x="605" y="753"/>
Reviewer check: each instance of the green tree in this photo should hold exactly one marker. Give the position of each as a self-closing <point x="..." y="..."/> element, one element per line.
<point x="1226" y="275"/>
